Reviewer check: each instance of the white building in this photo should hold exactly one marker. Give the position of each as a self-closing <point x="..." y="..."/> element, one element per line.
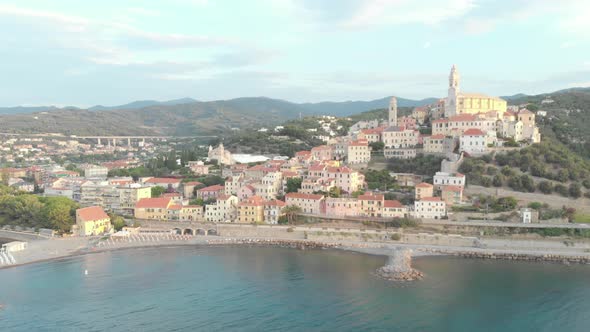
<point x="430" y="208"/>
<point x="224" y="210"/>
<point x="94" y="171"/>
<point x="444" y="179"/>
<point x="474" y="142"/>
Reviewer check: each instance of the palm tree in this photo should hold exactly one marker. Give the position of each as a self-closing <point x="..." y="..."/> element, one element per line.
<point x="291" y="211"/>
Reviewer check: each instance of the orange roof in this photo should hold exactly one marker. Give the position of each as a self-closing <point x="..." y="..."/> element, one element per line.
<point x="343" y="169"/>
<point x="290" y="173"/>
<point x="437" y="136"/>
<point x="423" y="185"/>
<point x="317" y="167"/>
<point x="473" y="132"/>
<point x="303" y="153"/>
<point x="162" y="180"/>
<point x="392" y="204"/>
<point x="275" y="202"/>
<point x="360" y="142"/>
<point x="215" y="187"/>
<point x="92" y="213"/>
<point x="153" y="203"/>
<point x="373" y="131"/>
<point x="223" y="197"/>
<point x="304" y="196"/>
<point x="252" y="201"/>
<point x="175" y="207"/>
<point x="193" y="183"/>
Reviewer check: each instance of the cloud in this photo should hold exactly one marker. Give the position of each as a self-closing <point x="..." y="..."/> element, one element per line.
<point x="119" y="44"/>
<point x="398" y="12"/>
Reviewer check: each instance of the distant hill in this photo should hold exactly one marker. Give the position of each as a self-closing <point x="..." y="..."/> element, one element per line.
<point x="179" y="117"/>
<point x="186" y="116"/>
<point x="353" y="107"/>
<point x="142" y="104"/>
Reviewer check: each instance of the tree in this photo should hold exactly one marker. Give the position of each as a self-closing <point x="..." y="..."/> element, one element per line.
<point x="157" y="191"/>
<point x="60" y="212"/>
<point x="118" y="222"/>
<point x="335" y="192"/>
<point x="497" y="181"/>
<point x="293" y="184"/>
<point x="377" y="146"/>
<point x="561" y="189"/>
<point x="291" y="212"/>
<point x="535" y="205"/>
<point x="575" y="190"/>
<point x="546" y="187"/>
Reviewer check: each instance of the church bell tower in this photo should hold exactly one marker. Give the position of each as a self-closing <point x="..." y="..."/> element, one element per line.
<point x="393" y="112"/>
<point x="451" y="102"/>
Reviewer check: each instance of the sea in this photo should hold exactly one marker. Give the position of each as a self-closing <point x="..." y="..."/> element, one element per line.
<point x="279" y="289"/>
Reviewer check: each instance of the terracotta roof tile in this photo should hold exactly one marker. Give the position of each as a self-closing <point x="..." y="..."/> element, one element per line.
<point x="92" y="213"/>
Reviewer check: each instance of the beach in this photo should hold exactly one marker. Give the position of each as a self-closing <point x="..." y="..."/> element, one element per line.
<point x="40" y="250"/>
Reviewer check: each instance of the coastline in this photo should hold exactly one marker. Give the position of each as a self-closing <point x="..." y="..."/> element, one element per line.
<point x="57" y="249"/>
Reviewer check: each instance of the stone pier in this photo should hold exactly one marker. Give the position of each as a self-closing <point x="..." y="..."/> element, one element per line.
<point x="399" y="267"/>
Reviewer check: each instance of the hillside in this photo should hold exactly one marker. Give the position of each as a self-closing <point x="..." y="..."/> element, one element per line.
<point x="182" y="117"/>
<point x="568" y="117"/>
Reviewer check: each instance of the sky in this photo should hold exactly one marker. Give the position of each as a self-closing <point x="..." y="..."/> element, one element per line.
<point x="110" y="52"/>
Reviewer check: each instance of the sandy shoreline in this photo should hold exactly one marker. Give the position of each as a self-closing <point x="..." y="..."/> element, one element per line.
<point x="63" y="248"/>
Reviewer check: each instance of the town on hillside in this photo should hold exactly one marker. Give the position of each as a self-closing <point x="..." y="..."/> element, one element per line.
<point x="328" y="181"/>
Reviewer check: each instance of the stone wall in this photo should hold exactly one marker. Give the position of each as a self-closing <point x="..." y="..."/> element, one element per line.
<point x="229" y="230"/>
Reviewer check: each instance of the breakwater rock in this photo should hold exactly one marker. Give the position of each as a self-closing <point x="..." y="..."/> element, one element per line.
<point x="295" y="244"/>
<point x="553" y="258"/>
<point x="399" y="267"/>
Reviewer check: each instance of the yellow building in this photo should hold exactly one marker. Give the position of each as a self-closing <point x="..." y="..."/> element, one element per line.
<point x="251" y="210"/>
<point x="92" y="221"/>
<point x="153" y="208"/>
<point x="470" y="103"/>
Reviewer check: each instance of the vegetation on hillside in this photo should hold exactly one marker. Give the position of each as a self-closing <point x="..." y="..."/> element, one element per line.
<point x="567" y="120"/>
<point x="423" y="164"/>
<point x="548" y="167"/>
<point x="26" y="210"/>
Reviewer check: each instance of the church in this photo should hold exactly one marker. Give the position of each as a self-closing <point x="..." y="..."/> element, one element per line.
<point x="458" y="102"/>
<point x="220" y="154"/>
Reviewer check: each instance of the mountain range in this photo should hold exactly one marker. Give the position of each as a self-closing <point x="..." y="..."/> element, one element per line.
<point x="328" y="107"/>
<point x="187" y="117"/>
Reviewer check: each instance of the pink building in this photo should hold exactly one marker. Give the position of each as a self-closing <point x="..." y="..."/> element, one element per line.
<point x="407" y="122"/>
<point x="210" y="192"/>
<point x="342" y="207"/>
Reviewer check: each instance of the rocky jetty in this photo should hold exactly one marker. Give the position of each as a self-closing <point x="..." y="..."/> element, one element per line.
<point x="399" y="267"/>
<point x="295" y="244"/>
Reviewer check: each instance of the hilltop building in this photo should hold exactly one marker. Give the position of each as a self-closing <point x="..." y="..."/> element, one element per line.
<point x="469" y="103"/>
<point x="220" y="154"/>
<point x="393" y="112"/>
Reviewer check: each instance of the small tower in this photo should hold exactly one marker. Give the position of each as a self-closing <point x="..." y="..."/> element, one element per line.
<point x="393" y="112"/>
<point x="451" y="102"/>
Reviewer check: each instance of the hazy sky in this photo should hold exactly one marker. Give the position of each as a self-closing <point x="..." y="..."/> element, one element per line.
<point x="73" y="52"/>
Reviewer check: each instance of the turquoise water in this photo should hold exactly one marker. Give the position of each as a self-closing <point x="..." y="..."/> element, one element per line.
<point x="260" y="289"/>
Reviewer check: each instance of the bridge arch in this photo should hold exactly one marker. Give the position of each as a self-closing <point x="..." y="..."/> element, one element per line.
<point x="211" y="232"/>
<point x="188" y="231"/>
<point x="201" y="231"/>
<point x="177" y="231"/>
